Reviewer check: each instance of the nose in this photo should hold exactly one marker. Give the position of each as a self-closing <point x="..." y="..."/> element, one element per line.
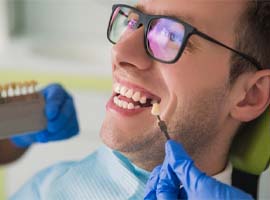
<point x="130" y="50"/>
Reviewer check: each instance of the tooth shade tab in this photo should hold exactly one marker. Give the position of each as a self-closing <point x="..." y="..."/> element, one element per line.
<point x="155" y="109"/>
<point x="14" y="89"/>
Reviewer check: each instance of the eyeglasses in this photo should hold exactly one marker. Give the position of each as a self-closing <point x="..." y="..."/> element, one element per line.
<point x="165" y="38"/>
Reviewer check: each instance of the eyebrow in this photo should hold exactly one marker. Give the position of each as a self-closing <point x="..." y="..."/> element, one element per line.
<point x="184" y="18"/>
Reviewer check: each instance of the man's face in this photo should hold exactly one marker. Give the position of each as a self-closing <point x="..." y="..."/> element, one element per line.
<point x="194" y="91"/>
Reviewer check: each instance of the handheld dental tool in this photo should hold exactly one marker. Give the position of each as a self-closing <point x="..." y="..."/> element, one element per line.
<point x="21" y="109"/>
<point x="162" y="125"/>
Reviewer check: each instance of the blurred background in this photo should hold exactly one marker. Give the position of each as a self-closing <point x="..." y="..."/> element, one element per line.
<point x="61" y="41"/>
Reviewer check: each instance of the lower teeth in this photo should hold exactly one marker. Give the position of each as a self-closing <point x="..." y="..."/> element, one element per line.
<point x="124" y="104"/>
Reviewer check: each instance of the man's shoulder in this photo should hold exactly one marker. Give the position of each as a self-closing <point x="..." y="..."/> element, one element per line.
<point x="42" y="181"/>
<point x="60" y="169"/>
<point x="53" y="172"/>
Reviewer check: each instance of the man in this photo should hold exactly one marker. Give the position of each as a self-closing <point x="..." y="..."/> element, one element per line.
<point x="207" y="64"/>
<point x="62" y="123"/>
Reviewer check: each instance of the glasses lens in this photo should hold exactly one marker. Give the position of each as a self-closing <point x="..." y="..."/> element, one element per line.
<point x="123" y="20"/>
<point x="165" y="38"/>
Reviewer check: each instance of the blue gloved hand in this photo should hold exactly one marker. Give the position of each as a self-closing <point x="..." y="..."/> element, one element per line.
<point x="178" y="169"/>
<point x="61" y="117"/>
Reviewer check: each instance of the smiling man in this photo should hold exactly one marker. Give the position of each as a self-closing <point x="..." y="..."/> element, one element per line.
<point x="206" y="63"/>
<point x="201" y="99"/>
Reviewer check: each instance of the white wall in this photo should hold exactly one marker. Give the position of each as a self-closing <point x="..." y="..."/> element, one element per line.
<point x="3" y="25"/>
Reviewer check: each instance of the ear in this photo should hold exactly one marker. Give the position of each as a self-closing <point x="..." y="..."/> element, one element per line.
<point x="251" y="96"/>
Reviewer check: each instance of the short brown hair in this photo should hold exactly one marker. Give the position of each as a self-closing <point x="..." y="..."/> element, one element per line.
<point x="252" y="38"/>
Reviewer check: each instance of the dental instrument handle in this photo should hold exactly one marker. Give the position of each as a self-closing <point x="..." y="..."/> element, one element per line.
<point x="162" y="125"/>
<point x="163" y="128"/>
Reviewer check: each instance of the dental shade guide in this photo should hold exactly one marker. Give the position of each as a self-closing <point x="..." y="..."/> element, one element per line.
<point x="21" y="109"/>
<point x="162" y="125"/>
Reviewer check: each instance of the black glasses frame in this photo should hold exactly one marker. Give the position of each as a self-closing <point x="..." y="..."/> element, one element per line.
<point x="145" y="20"/>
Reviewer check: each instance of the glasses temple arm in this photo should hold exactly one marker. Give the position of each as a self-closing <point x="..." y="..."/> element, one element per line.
<point x="250" y="59"/>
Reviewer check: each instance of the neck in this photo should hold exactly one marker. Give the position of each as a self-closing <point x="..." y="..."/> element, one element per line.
<point x="212" y="161"/>
<point x="146" y="160"/>
<point x="214" y="157"/>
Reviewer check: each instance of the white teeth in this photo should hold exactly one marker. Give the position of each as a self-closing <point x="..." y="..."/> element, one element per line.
<point x="131" y="106"/>
<point x="115" y="100"/>
<point x="120" y="103"/>
<point x="143" y="100"/>
<point x="123" y="91"/>
<point x="10" y="92"/>
<point x="4" y="94"/>
<point x="129" y="93"/>
<point x="117" y="88"/>
<point x="136" y="97"/>
<point x="125" y="105"/>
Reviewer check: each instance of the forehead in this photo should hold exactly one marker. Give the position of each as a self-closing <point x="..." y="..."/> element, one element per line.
<point x="203" y="14"/>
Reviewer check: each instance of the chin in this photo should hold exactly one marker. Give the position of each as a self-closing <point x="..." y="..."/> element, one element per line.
<point x="113" y="137"/>
<point x="130" y="141"/>
<point x="111" y="140"/>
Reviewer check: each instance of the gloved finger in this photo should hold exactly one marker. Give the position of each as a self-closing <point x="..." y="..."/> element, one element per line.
<point x="55" y="96"/>
<point x="67" y="132"/>
<point x="183" y="167"/>
<point x="150" y="190"/>
<point x="42" y="136"/>
<point x="168" y="186"/>
<point x="24" y="140"/>
<point x="195" y="182"/>
<point x="66" y="113"/>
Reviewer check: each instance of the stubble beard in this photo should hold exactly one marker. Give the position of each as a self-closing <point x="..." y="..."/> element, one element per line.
<point x="144" y="146"/>
<point x="197" y="125"/>
<point x="194" y="125"/>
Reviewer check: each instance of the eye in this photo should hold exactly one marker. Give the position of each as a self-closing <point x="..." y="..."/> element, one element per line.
<point x="172" y="37"/>
<point x="132" y="20"/>
<point x="132" y="24"/>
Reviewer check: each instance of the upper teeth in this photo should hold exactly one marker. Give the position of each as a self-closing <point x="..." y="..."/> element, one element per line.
<point x="130" y="93"/>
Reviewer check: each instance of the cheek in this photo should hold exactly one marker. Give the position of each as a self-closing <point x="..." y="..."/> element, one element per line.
<point x="178" y="91"/>
<point x="209" y="68"/>
<point x="179" y="80"/>
<point x="195" y="73"/>
<point x="187" y="81"/>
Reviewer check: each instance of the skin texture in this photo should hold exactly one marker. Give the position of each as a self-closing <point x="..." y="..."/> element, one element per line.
<point x="198" y="103"/>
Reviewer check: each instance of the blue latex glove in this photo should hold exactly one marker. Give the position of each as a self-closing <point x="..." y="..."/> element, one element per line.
<point x="61" y="117"/>
<point x="178" y="169"/>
